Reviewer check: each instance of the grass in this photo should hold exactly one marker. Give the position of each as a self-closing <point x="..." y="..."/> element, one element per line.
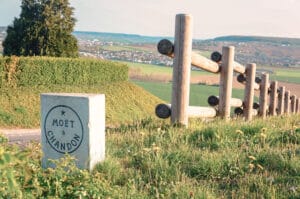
<point x="281" y="74"/>
<point x="125" y="102"/>
<point x="287" y="75"/>
<point x="150" y="159"/>
<point x="198" y="93"/>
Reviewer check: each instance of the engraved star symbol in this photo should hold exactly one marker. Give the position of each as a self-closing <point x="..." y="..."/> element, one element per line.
<point x="63" y="113"/>
<point x="63" y="132"/>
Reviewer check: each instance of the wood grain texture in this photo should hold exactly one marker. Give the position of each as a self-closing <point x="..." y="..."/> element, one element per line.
<point x="249" y="91"/>
<point x="263" y="95"/>
<point x="181" y="69"/>
<point x="273" y="98"/>
<point x="281" y="100"/>
<point x="226" y="78"/>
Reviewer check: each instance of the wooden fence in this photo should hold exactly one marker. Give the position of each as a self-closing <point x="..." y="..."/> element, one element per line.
<point x="273" y="100"/>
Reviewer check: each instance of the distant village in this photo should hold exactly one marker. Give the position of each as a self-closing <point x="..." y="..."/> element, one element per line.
<point x="95" y="48"/>
<point x="263" y="53"/>
<point x="254" y="52"/>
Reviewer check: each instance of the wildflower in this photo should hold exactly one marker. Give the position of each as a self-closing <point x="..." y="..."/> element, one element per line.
<point x="191" y="194"/>
<point x="295" y="127"/>
<point x="251" y="166"/>
<point x="263" y="130"/>
<point x="260" y="167"/>
<point x="263" y="135"/>
<point x="146" y="149"/>
<point x="155" y="149"/>
<point x="239" y="132"/>
<point x="251" y="157"/>
<point x="142" y="133"/>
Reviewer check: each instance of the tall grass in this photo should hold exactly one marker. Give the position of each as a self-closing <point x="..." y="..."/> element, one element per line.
<point x="35" y="71"/>
<point x="124" y="103"/>
<point x="148" y="159"/>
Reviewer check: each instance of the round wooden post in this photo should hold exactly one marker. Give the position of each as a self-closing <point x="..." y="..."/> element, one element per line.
<point x="281" y="100"/>
<point x="297" y="106"/>
<point x="293" y="104"/>
<point x="226" y="81"/>
<point x="287" y="102"/>
<point x="273" y="98"/>
<point x="263" y="96"/>
<point x="163" y="111"/>
<point x="214" y="101"/>
<point x="249" y="91"/>
<point x="181" y="69"/>
<point x="242" y="79"/>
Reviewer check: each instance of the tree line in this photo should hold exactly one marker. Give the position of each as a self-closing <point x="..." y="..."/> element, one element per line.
<point x="44" y="28"/>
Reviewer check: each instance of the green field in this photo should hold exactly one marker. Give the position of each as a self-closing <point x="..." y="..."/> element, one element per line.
<point x="198" y="93"/>
<point x="280" y="74"/>
<point x="287" y="75"/>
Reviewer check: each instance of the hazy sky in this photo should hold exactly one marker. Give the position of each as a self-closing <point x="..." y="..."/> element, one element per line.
<point x="157" y="17"/>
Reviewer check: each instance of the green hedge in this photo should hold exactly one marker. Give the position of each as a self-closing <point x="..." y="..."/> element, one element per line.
<point x="34" y="71"/>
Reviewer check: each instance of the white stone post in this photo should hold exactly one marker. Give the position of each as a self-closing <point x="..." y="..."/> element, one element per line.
<point x="73" y="124"/>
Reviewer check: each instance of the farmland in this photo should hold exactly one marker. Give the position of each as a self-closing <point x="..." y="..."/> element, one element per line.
<point x="147" y="157"/>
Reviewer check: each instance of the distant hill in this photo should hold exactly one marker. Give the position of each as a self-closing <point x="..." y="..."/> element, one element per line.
<point x="274" y="40"/>
<point x="116" y="37"/>
<point x="264" y="51"/>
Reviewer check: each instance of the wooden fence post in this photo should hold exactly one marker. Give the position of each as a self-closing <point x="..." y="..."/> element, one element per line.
<point x="293" y="104"/>
<point x="263" y="96"/>
<point x="273" y="98"/>
<point x="181" y="69"/>
<point x="281" y="100"/>
<point x="287" y="102"/>
<point x="226" y="77"/>
<point x="249" y="91"/>
<point x="297" y="106"/>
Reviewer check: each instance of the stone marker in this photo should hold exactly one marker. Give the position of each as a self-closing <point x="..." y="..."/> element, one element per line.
<point x="73" y="124"/>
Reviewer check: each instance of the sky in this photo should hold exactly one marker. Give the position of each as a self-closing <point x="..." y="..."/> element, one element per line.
<point x="278" y="18"/>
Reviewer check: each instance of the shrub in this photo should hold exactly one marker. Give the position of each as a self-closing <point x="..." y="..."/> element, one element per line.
<point x="35" y="71"/>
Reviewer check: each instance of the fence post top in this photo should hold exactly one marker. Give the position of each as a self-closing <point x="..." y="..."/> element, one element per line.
<point x="252" y="64"/>
<point x="228" y="47"/>
<point x="183" y="15"/>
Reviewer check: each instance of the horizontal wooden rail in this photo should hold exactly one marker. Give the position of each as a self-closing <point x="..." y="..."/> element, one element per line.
<point x="272" y="100"/>
<point x="255" y="105"/>
<point x="163" y="111"/>
<point x="242" y="79"/>
<point x="240" y="111"/>
<point x="214" y="101"/>
<point x="237" y="67"/>
<point x="166" y="47"/>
